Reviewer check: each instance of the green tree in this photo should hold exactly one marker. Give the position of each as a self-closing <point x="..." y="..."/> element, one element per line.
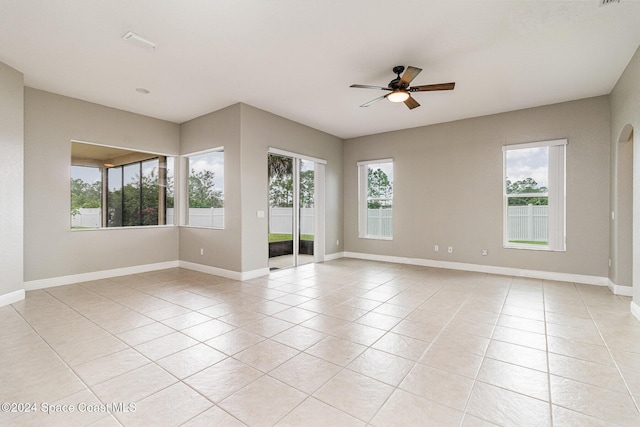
<point x="136" y="203"/>
<point x="202" y="191"/>
<point x="281" y="183"/>
<point x="526" y="186"/>
<point x="306" y="188"/>
<point x="378" y="187"/>
<point x="84" y="195"/>
<point x="281" y="191"/>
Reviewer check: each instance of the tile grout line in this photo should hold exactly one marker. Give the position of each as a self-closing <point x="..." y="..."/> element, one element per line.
<point x="88" y="388"/>
<point x="475" y="379"/>
<point x="615" y="363"/>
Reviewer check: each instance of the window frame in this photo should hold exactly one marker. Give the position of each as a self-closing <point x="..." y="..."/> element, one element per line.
<point x="556" y="194"/>
<point x="99" y="164"/>
<point x="363" y="199"/>
<point x="185" y="172"/>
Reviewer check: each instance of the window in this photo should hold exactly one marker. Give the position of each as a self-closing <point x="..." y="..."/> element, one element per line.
<point x="113" y="187"/>
<point x="375" y="199"/>
<point x="534" y="195"/>
<point x="206" y="189"/>
<point x="86" y="197"/>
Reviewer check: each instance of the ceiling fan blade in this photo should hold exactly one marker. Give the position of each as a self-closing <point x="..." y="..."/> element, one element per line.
<point x="439" y="86"/>
<point x="373" y="101"/>
<point x="411" y="103"/>
<point x="408" y="76"/>
<point x="370" y="87"/>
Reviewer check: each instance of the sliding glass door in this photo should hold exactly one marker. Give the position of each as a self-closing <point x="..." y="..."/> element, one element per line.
<point x="291" y="211"/>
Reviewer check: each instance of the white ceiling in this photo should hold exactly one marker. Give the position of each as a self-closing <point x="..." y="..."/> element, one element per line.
<point x="297" y="58"/>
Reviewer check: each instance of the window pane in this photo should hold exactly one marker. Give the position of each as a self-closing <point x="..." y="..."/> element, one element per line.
<point x="170" y="192"/>
<point x="379" y="199"/>
<point x="150" y="192"/>
<point x="131" y="212"/>
<point x="86" y="197"/>
<point x="527" y="216"/>
<point x="206" y="189"/>
<point x="114" y="200"/>
<point x="527" y="170"/>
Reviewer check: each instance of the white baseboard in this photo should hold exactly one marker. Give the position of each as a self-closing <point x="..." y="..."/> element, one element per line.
<point x="635" y="310"/>
<point x="229" y="274"/>
<point x="11" y="297"/>
<point x="626" y="291"/>
<point x="96" y="275"/>
<point x="505" y="271"/>
<point x="334" y="256"/>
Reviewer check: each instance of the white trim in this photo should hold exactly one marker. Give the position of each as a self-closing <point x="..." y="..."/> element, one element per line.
<point x="635" y="310"/>
<point x="11" y="297"/>
<point x="537" y="144"/>
<point x="626" y="291"/>
<point x="285" y="153"/>
<point x="373" y="162"/>
<point x="505" y="271"/>
<point x="119" y="147"/>
<point x="556" y="194"/>
<point x="229" y="274"/>
<point x="319" y="212"/>
<point x="208" y="150"/>
<point x="334" y="256"/>
<point x="97" y="275"/>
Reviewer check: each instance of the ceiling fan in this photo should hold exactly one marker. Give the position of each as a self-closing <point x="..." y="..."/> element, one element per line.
<point x="400" y="90"/>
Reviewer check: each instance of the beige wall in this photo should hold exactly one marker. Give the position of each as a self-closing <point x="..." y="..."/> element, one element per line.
<point x="261" y="130"/>
<point x="11" y="180"/>
<point x="625" y="109"/>
<point x="246" y="133"/>
<point x="222" y="248"/>
<point x="448" y="187"/>
<point x="51" y="249"/>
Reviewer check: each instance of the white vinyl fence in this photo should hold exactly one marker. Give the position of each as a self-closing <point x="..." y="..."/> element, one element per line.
<point x="87" y="218"/>
<point x="206" y="217"/>
<point x="379" y="222"/>
<point x="528" y="223"/>
<point x="199" y="217"/>
<point x="281" y="220"/>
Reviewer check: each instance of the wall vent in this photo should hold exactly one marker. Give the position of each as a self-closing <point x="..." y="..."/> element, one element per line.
<point x="606" y="2"/>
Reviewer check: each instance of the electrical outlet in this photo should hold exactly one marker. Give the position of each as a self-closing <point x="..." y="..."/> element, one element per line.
<point x="201" y="251"/>
<point x="484" y="252"/>
<point x="337" y="242"/>
<point x="436" y="248"/>
<point x="450" y="249"/>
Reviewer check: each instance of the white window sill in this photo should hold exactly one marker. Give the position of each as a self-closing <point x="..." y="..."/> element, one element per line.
<point x="531" y="247"/>
<point x="375" y="237"/>
<point x="135" y="227"/>
<point x="202" y="227"/>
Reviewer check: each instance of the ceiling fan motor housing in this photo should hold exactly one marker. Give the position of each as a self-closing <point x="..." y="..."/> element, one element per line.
<point x="393" y="84"/>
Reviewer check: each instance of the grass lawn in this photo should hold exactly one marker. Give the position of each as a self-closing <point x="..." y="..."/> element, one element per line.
<point x="274" y="237"/>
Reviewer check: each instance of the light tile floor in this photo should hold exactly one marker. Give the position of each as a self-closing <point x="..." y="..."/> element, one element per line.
<point x="343" y="343"/>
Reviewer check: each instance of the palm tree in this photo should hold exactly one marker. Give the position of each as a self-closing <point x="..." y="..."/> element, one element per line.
<point x="279" y="165"/>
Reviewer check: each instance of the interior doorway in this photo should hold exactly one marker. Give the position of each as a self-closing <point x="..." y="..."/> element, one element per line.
<point x="293" y="210"/>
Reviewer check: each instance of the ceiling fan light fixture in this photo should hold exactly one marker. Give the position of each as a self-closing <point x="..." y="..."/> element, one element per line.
<point x="398" y="96"/>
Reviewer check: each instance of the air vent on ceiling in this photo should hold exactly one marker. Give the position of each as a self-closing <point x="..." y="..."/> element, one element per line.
<point x="606" y="2"/>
